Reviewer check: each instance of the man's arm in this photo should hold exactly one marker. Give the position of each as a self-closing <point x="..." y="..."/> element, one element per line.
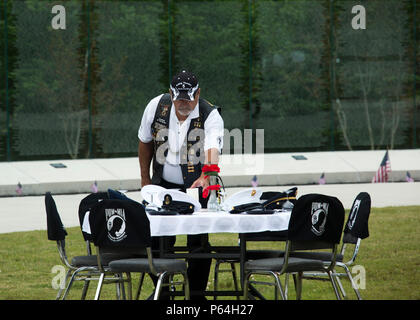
<point x="211" y="157"/>
<point x="145" y="154"/>
<point x="145" y="150"/>
<point x="213" y="144"/>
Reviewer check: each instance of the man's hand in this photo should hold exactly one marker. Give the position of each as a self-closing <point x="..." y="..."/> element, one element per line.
<point x="201" y="182"/>
<point x="145" y="182"/>
<point x="211" y="157"/>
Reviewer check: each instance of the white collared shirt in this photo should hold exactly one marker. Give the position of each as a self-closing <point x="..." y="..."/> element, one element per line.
<point x="213" y="136"/>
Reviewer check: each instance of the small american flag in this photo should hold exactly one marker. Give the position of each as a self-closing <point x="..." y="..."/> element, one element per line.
<point x="19" y="189"/>
<point x="322" y="179"/>
<point x="408" y="177"/>
<point x="254" y="182"/>
<point x="382" y="173"/>
<point x="94" y="187"/>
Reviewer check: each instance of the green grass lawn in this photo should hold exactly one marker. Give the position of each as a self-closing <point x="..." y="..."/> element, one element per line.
<point x="390" y="257"/>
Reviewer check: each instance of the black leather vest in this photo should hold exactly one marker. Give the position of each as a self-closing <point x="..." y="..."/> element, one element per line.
<point x="191" y="170"/>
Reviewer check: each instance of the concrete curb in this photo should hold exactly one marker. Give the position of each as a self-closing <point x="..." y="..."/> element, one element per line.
<point x="78" y="176"/>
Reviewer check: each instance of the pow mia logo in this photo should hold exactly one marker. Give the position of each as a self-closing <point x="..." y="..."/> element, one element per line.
<point x="115" y="223"/>
<point x="319" y="213"/>
<point x="353" y="214"/>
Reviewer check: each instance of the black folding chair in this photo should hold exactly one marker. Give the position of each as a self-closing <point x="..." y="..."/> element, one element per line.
<point x="355" y="230"/>
<point x="122" y="226"/>
<point x="250" y="254"/>
<point x="90" y="262"/>
<point x="271" y="200"/>
<point x="316" y="223"/>
<point x="81" y="268"/>
<point x="86" y="204"/>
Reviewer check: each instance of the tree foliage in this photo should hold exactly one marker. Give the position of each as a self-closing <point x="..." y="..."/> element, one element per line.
<point x="293" y="68"/>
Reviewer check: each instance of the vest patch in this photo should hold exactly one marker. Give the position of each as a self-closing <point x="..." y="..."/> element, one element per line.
<point x="161" y="121"/>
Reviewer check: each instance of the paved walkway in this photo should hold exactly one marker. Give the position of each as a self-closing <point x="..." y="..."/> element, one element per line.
<point x="347" y="173"/>
<point x="28" y="212"/>
<point x="277" y="169"/>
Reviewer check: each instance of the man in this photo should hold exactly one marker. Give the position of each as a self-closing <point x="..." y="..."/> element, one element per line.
<point x="179" y="133"/>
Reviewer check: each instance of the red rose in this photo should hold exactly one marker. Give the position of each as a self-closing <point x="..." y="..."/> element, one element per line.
<point x="211" y="187"/>
<point x="211" y="168"/>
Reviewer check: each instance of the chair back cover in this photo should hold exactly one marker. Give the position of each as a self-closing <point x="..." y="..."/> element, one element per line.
<point x="357" y="222"/>
<point x="119" y="223"/>
<point x="86" y="205"/>
<point x="55" y="228"/>
<point x="316" y="217"/>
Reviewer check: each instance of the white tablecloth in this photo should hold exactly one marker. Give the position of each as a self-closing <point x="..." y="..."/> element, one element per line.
<point x="212" y="222"/>
<point x="216" y="222"/>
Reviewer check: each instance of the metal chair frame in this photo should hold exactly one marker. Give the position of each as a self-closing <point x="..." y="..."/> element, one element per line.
<point x="259" y="236"/>
<point x="161" y="277"/>
<point x="298" y="276"/>
<point x="287" y="205"/>
<point x="349" y="238"/>
<point x="87" y="273"/>
<point x="82" y="273"/>
<point x="137" y="250"/>
<point x="345" y="266"/>
<point x="117" y="278"/>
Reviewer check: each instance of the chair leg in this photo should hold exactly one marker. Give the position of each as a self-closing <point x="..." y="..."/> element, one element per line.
<point x="158" y="288"/>
<point x="276" y="293"/>
<point x="171" y="285"/>
<point x="235" y="279"/>
<point x="246" y="285"/>
<point x="298" y="284"/>
<point x="216" y="277"/>
<point x="60" y="290"/>
<point x="286" y="285"/>
<point x="356" y="290"/>
<point x="186" y="286"/>
<point x="118" y="288"/>
<point x="278" y="285"/>
<point x="130" y="291"/>
<point x="85" y="289"/>
<point x="140" y="285"/>
<point x="73" y="276"/>
<point x="99" y="288"/>
<point x="331" y="276"/>
<point x="340" y="286"/>
<point x="122" y="286"/>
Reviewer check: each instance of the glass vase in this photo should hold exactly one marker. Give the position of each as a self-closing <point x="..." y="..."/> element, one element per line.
<point x="212" y="204"/>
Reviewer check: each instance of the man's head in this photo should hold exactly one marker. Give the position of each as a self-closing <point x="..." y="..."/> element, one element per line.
<point x="185" y="92"/>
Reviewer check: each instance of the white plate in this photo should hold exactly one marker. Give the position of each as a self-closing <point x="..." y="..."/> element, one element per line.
<point x="178" y="196"/>
<point x="250" y="195"/>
